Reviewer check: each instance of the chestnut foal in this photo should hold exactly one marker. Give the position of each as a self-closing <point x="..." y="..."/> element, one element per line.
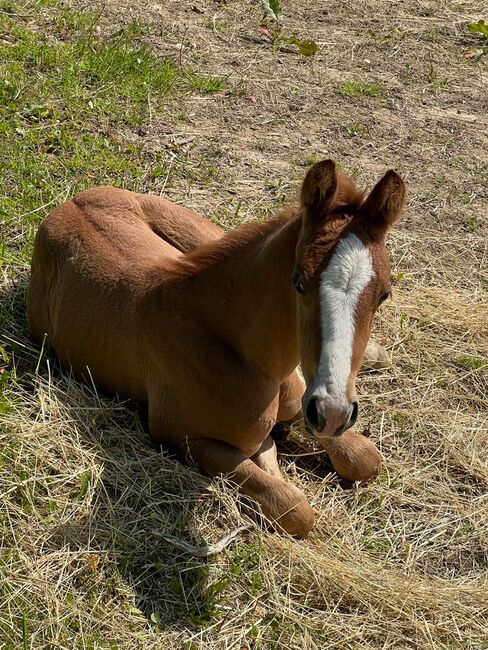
<point x="152" y="301"/>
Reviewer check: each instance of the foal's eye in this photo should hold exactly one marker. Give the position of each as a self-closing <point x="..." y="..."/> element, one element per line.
<point x="296" y="278"/>
<point x="386" y="295"/>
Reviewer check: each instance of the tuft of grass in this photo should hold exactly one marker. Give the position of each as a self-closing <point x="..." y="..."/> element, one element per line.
<point x="358" y="89"/>
<point x="471" y="363"/>
<point x="356" y="129"/>
<point x="204" y="83"/>
<point x="313" y="158"/>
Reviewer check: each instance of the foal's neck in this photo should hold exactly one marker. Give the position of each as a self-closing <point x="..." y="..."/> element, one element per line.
<point x="251" y="300"/>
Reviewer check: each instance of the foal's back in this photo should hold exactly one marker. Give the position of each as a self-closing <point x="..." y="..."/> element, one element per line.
<point x="91" y="267"/>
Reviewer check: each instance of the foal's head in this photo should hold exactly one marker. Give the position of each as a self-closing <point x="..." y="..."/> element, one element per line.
<point x="341" y="276"/>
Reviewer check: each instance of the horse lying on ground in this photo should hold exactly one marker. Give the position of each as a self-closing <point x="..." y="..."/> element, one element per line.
<point x="152" y="301"/>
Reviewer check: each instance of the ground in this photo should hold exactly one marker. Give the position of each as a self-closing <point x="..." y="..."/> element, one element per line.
<point x="191" y="100"/>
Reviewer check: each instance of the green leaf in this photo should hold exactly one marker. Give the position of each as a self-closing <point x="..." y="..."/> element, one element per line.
<point x="306" y="46"/>
<point x="85" y="482"/>
<point x="480" y="27"/>
<point x="4" y="377"/>
<point x="155" y="618"/>
<point x="4" y="355"/>
<point x="276" y="7"/>
<point x="272" y="8"/>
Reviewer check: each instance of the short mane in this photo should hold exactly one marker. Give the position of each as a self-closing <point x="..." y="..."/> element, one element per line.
<point x="210" y="254"/>
<point x="348" y="198"/>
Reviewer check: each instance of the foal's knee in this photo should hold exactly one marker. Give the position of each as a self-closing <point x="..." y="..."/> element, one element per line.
<point x="288" y="509"/>
<point x="353" y="456"/>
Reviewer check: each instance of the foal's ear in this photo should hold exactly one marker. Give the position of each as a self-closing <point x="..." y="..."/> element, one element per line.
<point x="384" y="205"/>
<point x="319" y="189"/>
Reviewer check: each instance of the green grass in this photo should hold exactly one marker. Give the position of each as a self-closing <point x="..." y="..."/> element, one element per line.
<point x="204" y="84"/>
<point x="356" y="129"/>
<point x="67" y="96"/>
<point x="472" y="363"/>
<point x="358" y="89"/>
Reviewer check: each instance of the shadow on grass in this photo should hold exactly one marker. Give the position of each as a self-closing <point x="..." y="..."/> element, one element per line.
<point x="115" y="488"/>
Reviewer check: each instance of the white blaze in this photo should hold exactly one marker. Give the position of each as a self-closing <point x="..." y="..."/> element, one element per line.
<point x="342" y="282"/>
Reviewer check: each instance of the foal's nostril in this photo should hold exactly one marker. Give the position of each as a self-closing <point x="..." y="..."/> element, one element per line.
<point x="313" y="416"/>
<point x="354" y="414"/>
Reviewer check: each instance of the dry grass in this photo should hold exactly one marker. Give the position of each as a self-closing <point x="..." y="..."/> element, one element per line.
<point x="400" y="564"/>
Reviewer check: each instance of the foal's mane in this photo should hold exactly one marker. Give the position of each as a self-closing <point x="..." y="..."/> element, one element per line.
<point x="347" y="202"/>
<point x="215" y="251"/>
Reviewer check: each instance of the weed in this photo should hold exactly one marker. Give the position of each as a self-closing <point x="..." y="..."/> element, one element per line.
<point x="481" y="28"/>
<point x="271" y="28"/>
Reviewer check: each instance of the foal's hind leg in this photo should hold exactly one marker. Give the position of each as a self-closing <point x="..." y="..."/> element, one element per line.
<point x="290" y="405"/>
<point x="282" y="503"/>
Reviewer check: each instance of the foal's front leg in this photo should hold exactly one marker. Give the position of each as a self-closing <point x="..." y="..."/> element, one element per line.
<point x="353" y="456"/>
<point x="267" y="457"/>
<point x="282" y="503"/>
<point x="290" y="405"/>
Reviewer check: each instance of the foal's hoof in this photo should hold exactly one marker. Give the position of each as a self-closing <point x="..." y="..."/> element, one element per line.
<point x="375" y="357"/>
<point x="354" y="457"/>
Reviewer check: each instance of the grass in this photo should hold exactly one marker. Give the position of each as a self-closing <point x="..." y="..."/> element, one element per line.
<point x="356" y="129"/>
<point x="400" y="565"/>
<point x="203" y="84"/>
<point x="472" y="363"/>
<point x="66" y="98"/>
<point x="358" y="89"/>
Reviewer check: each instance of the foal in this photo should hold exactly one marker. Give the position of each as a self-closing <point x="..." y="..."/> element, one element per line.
<point x="209" y="335"/>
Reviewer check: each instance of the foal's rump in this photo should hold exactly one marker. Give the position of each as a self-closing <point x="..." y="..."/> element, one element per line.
<point x="91" y="268"/>
<point x="180" y="227"/>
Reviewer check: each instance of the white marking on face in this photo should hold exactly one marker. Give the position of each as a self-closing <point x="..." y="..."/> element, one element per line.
<point x="341" y="285"/>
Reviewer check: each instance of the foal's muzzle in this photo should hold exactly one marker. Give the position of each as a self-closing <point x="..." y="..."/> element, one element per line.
<point x="327" y="420"/>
